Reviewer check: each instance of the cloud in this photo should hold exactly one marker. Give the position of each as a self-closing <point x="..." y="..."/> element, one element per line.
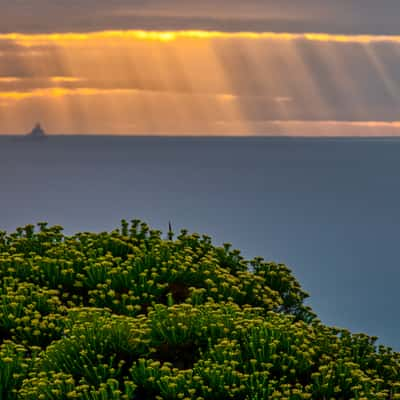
<point x="327" y="128"/>
<point x="9" y="79"/>
<point x="65" y="79"/>
<point x="43" y="41"/>
<point x="326" y="16"/>
<point x="51" y="93"/>
<point x="198" y="81"/>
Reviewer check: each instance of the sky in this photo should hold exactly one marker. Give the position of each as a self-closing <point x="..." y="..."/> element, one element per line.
<point x="210" y="67"/>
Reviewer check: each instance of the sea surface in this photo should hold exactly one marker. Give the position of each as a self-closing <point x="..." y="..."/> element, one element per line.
<point x="328" y="208"/>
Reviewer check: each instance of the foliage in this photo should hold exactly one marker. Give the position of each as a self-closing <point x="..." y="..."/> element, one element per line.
<point x="129" y="315"/>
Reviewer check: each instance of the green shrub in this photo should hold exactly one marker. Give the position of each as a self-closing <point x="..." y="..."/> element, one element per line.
<point x="129" y="315"/>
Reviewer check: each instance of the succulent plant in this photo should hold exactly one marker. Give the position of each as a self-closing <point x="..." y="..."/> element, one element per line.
<point x="129" y="315"/>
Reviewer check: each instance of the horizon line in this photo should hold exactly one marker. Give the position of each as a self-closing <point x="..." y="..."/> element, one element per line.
<point x="161" y="136"/>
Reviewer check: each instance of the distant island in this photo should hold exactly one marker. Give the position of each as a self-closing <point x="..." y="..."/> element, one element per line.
<point x="37" y="132"/>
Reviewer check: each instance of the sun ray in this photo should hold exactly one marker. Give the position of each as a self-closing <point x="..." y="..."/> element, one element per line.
<point x="186" y="82"/>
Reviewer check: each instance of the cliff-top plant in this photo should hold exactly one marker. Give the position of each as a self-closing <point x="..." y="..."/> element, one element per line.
<point x="131" y="315"/>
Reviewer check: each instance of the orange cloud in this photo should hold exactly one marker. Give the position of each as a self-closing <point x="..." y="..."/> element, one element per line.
<point x="198" y="82"/>
<point x="59" y="92"/>
<point x="31" y="40"/>
<point x="227" y="97"/>
<point x="65" y="79"/>
<point x="327" y="128"/>
<point x="9" y="79"/>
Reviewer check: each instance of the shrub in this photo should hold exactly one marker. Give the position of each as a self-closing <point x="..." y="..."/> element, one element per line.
<point x="129" y="315"/>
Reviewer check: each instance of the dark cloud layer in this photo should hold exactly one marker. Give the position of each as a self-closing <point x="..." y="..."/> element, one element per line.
<point x="339" y="16"/>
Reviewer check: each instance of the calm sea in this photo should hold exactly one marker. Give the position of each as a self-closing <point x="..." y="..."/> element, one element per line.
<point x="328" y="208"/>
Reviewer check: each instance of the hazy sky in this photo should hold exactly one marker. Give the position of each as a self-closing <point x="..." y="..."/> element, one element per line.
<point x="201" y="67"/>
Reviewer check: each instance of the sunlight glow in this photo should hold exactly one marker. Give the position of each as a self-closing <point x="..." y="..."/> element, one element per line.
<point x="29" y="40"/>
<point x="9" y="79"/>
<point x="198" y="82"/>
<point x="62" y="79"/>
<point x="60" y="92"/>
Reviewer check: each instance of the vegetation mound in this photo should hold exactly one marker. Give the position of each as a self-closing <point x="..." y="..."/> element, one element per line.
<point x="130" y="315"/>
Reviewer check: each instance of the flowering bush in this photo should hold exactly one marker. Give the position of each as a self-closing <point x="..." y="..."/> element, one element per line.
<point x="129" y="315"/>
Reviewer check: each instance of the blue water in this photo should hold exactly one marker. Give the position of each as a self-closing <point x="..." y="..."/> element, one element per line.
<point x="328" y="208"/>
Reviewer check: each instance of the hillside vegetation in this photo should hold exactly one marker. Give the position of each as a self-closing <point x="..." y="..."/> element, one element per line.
<point x="132" y="315"/>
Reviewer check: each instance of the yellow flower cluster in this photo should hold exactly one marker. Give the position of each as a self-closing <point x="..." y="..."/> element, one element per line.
<point x="129" y="315"/>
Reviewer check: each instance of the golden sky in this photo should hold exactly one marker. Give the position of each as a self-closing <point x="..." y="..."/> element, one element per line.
<point x="200" y="81"/>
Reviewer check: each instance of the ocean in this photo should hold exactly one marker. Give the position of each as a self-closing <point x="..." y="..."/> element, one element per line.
<point x="327" y="208"/>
